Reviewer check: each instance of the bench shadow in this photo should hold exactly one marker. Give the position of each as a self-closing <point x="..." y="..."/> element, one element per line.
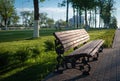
<point x="76" y="78"/>
<point x="51" y="75"/>
<point x="57" y="76"/>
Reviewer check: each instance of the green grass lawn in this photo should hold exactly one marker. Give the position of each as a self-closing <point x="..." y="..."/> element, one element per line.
<point x="33" y="59"/>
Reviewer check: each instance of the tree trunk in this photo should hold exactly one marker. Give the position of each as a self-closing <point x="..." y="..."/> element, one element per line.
<point x="5" y="21"/>
<point x="36" y="19"/>
<point x="74" y="16"/>
<point x="77" y="17"/>
<point x="86" y="24"/>
<point x="67" y="10"/>
<point x="99" y="21"/>
<point x="80" y="13"/>
<point x="95" y="17"/>
<point x="90" y="19"/>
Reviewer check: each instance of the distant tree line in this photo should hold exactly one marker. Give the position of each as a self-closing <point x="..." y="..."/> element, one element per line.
<point x="28" y="19"/>
<point x="103" y="8"/>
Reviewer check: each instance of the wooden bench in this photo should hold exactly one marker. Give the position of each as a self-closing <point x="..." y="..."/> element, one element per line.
<point x="72" y="39"/>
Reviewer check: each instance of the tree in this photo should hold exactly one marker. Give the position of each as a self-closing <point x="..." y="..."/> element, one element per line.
<point x="83" y="5"/>
<point x="31" y="20"/>
<point x="26" y="15"/>
<point x="59" y="24"/>
<point x="65" y="3"/>
<point x="100" y="6"/>
<point x="14" y="19"/>
<point x="6" y="10"/>
<point x="106" y="8"/>
<point x="113" y="23"/>
<point x="43" y="18"/>
<point x="36" y="18"/>
<point x="67" y="11"/>
<point x="50" y="22"/>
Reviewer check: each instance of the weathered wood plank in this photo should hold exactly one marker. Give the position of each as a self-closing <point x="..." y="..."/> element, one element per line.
<point x="72" y="42"/>
<point x="72" y="38"/>
<point x="87" y="48"/>
<point x="97" y="48"/>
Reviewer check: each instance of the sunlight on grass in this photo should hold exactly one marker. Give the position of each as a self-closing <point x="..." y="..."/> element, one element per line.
<point x="106" y="34"/>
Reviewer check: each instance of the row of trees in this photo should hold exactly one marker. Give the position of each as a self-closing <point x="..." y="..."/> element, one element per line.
<point x="103" y="8"/>
<point x="28" y="19"/>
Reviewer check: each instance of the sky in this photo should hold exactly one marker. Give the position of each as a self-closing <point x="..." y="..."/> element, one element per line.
<point x="117" y="11"/>
<point x="51" y="8"/>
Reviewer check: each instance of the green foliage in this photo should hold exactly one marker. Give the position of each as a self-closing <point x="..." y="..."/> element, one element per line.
<point x="26" y="53"/>
<point x="113" y="23"/>
<point x="42" y="0"/>
<point x="23" y="54"/>
<point x="7" y="12"/>
<point x="49" y="45"/>
<point x="106" y="8"/>
<point x="27" y="15"/>
<point x="106" y="34"/>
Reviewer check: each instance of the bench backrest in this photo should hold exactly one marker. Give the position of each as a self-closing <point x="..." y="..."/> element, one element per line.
<point x="66" y="40"/>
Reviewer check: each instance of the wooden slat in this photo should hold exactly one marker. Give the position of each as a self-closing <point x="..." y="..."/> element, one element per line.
<point x="87" y="48"/>
<point x="77" y="51"/>
<point x="72" y="38"/>
<point x="78" y="41"/>
<point x="97" y="48"/>
<point x="92" y="47"/>
<point x="69" y="31"/>
<point x="75" y="44"/>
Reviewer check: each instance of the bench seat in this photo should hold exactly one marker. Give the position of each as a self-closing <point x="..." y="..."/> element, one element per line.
<point x="89" y="49"/>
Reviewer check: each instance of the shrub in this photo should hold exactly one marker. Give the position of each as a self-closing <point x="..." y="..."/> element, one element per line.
<point x="35" y="51"/>
<point x="23" y="54"/>
<point x="26" y="53"/>
<point x="49" y="45"/>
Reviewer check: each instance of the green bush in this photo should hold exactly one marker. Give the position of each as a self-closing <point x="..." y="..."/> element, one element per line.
<point x="49" y="45"/>
<point x="35" y="51"/>
<point x="23" y="54"/>
<point x="26" y="53"/>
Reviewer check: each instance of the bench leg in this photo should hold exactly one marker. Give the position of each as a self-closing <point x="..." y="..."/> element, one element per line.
<point x="96" y="56"/>
<point x="60" y="62"/>
<point x="71" y="61"/>
<point x="85" y="67"/>
<point x="101" y="49"/>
